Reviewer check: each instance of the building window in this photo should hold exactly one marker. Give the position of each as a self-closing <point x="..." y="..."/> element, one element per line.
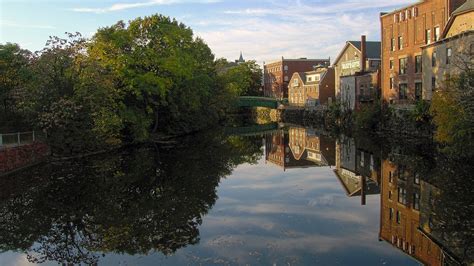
<point x="391" y="83"/>
<point x="428" y="36"/>
<point x="286" y="78"/>
<point x="390" y="177"/>
<point x="400" y="43"/>
<point x="295" y="82"/>
<point x="408" y="14"/>
<point x="286" y="68"/>
<point x="402" y="195"/>
<point x="418" y="90"/>
<point x="433" y="83"/>
<point x="399" y="217"/>
<point x="415" y="11"/>
<point x="449" y="54"/>
<point x="418" y="64"/>
<point x="391" y="213"/>
<point x="416" y="201"/>
<point x="389" y="194"/>
<point x="403" y="66"/>
<point x="392" y="44"/>
<point x="436" y="34"/>
<point x="416" y="180"/>
<point x="433" y="59"/>
<point x="402" y="93"/>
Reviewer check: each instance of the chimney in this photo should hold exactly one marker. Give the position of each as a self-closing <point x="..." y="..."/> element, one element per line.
<point x="363" y="51"/>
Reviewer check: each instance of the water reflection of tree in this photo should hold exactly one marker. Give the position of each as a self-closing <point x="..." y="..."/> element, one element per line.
<point x="137" y="201"/>
<point x="450" y="215"/>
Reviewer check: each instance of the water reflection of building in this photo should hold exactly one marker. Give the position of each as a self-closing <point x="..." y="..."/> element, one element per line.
<point x="400" y="214"/>
<point x="357" y="169"/>
<point x="299" y="148"/>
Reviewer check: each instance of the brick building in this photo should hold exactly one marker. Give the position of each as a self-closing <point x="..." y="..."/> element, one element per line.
<point x="312" y="88"/>
<point x="277" y="74"/>
<point x="404" y="32"/>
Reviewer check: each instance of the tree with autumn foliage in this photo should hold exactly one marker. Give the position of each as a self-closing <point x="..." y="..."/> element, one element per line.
<point x="452" y="108"/>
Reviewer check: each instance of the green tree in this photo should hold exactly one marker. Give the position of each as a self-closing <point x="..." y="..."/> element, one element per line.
<point x="14" y="63"/>
<point x="166" y="75"/>
<point x="244" y="79"/>
<point x="453" y="110"/>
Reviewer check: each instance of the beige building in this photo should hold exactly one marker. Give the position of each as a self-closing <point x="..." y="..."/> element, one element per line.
<point x="308" y="89"/>
<point x="448" y="56"/>
<point x="355" y="57"/>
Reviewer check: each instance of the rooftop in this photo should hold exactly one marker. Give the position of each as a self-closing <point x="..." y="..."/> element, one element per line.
<point x="373" y="48"/>
<point x="466" y="7"/>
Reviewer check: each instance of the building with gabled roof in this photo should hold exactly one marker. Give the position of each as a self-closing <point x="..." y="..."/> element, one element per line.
<point x="356" y="57"/>
<point x="309" y="89"/>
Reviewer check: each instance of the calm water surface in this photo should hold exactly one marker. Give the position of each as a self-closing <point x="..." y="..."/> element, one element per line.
<point x="287" y="197"/>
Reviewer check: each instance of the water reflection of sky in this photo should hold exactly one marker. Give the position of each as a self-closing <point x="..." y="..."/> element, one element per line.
<point x="267" y="216"/>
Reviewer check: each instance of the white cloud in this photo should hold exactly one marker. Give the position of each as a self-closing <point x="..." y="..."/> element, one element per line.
<point x="124" y="6"/>
<point x="293" y="29"/>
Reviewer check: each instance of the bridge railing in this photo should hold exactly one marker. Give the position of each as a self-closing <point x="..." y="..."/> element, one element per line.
<point x="18" y="139"/>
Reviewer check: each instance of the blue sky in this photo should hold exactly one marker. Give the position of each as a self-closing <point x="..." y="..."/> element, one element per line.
<point x="263" y="30"/>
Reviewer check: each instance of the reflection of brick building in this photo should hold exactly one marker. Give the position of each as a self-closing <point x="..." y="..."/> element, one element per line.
<point x="277" y="74"/>
<point x="400" y="215"/>
<point x="299" y="148"/>
<point x="305" y="144"/>
<point x="404" y="32"/>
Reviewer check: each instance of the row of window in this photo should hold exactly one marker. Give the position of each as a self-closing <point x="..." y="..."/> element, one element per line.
<point x="403" y="62"/>
<point x="402" y="198"/>
<point x="402" y="175"/>
<point x="400" y="46"/>
<point x="407" y="14"/>
<point x="405" y="246"/>
<point x="276" y="69"/>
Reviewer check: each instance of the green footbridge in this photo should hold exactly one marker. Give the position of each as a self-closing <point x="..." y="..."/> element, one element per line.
<point x="253" y="101"/>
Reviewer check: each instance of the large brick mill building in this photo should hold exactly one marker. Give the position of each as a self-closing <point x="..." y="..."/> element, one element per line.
<point x="404" y="32"/>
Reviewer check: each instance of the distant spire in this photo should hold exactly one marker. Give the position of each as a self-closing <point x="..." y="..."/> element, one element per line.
<point x="241" y="58"/>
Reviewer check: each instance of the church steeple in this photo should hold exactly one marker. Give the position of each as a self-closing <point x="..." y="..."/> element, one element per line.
<point x="241" y="58"/>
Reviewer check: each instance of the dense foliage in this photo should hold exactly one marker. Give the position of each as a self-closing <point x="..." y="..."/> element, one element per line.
<point x="244" y="78"/>
<point x="130" y="81"/>
<point x="453" y="110"/>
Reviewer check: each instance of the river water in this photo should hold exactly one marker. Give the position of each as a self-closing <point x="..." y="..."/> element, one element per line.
<point x="289" y="196"/>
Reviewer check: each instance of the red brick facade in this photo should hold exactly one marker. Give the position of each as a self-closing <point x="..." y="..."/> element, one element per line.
<point x="404" y="33"/>
<point x="278" y="74"/>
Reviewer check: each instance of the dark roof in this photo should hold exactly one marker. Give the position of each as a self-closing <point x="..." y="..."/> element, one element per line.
<point x="373" y="48"/>
<point x="468" y="6"/>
